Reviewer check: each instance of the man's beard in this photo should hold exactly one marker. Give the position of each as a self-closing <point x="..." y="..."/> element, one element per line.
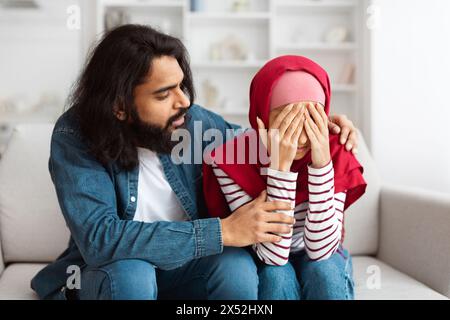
<point x="153" y="137"/>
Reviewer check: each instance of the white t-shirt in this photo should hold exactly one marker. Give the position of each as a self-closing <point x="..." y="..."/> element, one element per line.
<point x="156" y="199"/>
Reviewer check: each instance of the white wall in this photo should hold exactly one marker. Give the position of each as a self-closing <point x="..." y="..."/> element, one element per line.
<point x="38" y="53"/>
<point x="411" y="108"/>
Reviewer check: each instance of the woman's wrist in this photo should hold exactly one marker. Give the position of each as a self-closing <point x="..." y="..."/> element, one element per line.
<point x="318" y="164"/>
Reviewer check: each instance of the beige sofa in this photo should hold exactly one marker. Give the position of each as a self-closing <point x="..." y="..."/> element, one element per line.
<point x="399" y="238"/>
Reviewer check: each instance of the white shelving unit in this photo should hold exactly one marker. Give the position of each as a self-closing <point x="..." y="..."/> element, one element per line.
<point x="266" y="29"/>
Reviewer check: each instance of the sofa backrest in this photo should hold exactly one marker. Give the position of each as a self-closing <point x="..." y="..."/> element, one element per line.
<point x="32" y="229"/>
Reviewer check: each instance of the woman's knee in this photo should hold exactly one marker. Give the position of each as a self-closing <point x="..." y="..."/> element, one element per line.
<point x="278" y="283"/>
<point x="129" y="279"/>
<point x="327" y="279"/>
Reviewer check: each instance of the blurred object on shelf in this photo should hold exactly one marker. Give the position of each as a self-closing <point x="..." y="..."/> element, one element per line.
<point x="210" y="93"/>
<point x="19" y="4"/>
<point x="197" y="5"/>
<point x="115" y="18"/>
<point x="348" y="74"/>
<point x="229" y="48"/>
<point x="338" y="34"/>
<point x="20" y="108"/>
<point x="240" y="6"/>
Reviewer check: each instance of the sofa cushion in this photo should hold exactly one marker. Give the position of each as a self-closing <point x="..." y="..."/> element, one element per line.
<point x="32" y="229"/>
<point x="15" y="281"/>
<point x="394" y="285"/>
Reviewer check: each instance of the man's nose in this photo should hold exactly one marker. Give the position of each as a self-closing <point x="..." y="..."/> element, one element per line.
<point x="183" y="100"/>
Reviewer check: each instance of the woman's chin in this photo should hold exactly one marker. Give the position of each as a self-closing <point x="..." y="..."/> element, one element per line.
<point x="301" y="153"/>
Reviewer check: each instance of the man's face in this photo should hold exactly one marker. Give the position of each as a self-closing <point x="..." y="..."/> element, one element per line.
<point x="160" y="105"/>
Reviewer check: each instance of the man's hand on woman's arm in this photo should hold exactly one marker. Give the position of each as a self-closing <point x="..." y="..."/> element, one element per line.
<point x="256" y="222"/>
<point x="340" y="124"/>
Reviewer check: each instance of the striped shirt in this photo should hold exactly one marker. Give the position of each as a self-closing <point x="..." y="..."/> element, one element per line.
<point x="318" y="226"/>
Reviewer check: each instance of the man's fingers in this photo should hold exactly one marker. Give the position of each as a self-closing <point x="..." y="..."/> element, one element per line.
<point x="333" y="127"/>
<point x="276" y="205"/>
<point x="268" y="237"/>
<point x="278" y="218"/>
<point x="277" y="228"/>
<point x="353" y="138"/>
<point x="262" y="197"/>
<point x="344" y="135"/>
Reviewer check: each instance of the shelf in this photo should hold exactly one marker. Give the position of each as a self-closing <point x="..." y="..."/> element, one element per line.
<point x="329" y="5"/>
<point x="143" y="4"/>
<point x="261" y="16"/>
<point x="349" y="46"/>
<point x="268" y="30"/>
<point x="228" y="64"/>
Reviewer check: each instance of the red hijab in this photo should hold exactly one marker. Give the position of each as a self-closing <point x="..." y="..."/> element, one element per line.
<point x="347" y="170"/>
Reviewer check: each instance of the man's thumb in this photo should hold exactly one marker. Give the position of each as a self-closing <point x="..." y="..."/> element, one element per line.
<point x="262" y="196"/>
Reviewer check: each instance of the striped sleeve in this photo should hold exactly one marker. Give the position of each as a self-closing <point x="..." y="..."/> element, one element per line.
<point x="323" y="223"/>
<point x="280" y="187"/>
<point x="234" y="195"/>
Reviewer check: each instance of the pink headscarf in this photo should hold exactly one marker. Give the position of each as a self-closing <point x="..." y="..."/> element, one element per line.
<point x="296" y="86"/>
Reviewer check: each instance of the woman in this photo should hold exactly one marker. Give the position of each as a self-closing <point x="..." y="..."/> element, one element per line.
<point x="290" y="96"/>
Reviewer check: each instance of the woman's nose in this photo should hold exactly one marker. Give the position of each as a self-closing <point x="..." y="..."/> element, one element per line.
<point x="303" y="138"/>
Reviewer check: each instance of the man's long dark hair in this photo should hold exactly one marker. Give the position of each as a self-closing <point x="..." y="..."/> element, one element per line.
<point x="116" y="66"/>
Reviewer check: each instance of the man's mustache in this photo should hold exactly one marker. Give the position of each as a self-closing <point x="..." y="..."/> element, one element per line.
<point x="177" y="116"/>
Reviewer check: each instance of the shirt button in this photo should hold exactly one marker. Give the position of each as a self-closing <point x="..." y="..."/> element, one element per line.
<point x="133" y="199"/>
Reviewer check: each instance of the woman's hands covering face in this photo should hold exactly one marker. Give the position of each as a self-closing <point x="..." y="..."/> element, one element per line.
<point x="282" y="138"/>
<point x="316" y="127"/>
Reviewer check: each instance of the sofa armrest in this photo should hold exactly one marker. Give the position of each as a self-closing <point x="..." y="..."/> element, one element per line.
<point x="2" y="264"/>
<point x="415" y="235"/>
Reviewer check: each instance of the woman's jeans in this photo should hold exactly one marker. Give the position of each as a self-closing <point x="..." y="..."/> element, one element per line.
<point x="304" y="279"/>
<point x="227" y="276"/>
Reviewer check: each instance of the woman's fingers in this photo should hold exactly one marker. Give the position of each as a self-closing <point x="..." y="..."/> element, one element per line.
<point x="262" y="131"/>
<point x="295" y="125"/>
<point x="316" y="116"/>
<point x="324" y="116"/>
<point x="313" y="126"/>
<point x="309" y="131"/>
<point x="277" y="122"/>
<point x="299" y="129"/>
<point x="287" y="121"/>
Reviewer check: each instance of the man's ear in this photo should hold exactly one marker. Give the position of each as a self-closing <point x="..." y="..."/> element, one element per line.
<point x="119" y="113"/>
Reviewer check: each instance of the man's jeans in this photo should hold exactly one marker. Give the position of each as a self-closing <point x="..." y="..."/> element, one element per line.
<point x="304" y="279"/>
<point x="227" y="276"/>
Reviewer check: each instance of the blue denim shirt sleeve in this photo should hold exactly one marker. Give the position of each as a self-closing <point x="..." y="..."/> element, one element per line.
<point x="87" y="199"/>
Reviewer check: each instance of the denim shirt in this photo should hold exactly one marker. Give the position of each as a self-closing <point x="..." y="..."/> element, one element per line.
<point x="99" y="202"/>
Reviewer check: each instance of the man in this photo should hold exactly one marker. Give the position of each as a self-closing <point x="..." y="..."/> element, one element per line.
<point x="134" y="215"/>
